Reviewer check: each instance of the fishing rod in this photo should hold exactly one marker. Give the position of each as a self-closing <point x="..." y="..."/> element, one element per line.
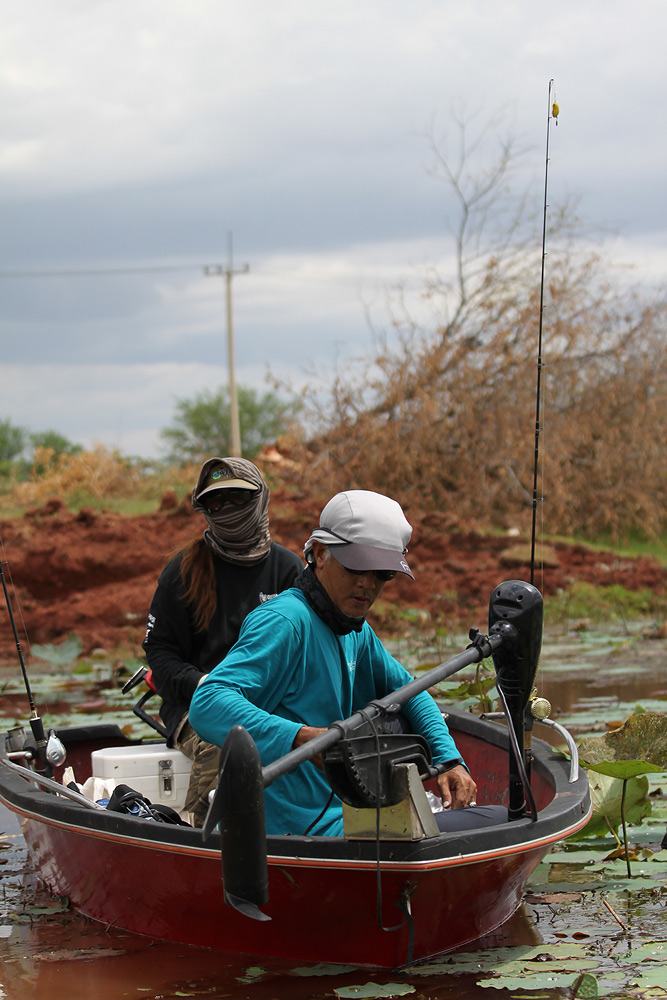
<point x="552" y="113"/>
<point x="51" y="752"/>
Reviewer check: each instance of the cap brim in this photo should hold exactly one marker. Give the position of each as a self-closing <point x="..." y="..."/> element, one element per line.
<point x="353" y="555"/>
<point x="229" y="484"/>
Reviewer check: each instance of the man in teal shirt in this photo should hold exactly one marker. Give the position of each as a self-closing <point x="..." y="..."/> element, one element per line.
<point x="308" y="658"/>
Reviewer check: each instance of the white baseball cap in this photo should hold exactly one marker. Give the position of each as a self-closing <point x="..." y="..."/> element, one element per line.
<point x="364" y="531"/>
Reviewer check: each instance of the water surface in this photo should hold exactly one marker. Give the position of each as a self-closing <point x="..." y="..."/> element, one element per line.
<point x="46" y="950"/>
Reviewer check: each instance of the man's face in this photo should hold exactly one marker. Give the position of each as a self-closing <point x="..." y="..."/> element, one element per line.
<point x="352" y="593"/>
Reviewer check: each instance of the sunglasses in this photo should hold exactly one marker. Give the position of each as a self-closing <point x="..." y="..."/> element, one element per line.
<point x="382" y="574"/>
<point x="218" y="499"/>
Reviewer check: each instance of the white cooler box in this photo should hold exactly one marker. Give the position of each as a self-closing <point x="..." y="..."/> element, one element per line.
<point x="159" y="773"/>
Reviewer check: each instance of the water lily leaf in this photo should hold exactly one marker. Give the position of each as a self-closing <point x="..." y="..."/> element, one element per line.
<point x="587" y="988"/>
<point x="478" y="686"/>
<point x="553" y="897"/>
<point x="642" y="737"/>
<point x="606" y="793"/>
<point x="61" y="655"/>
<point x="647" y="978"/>
<point x="252" y="974"/>
<point x="372" y="990"/>
<point x="620" y="852"/>
<point x="58" y="906"/>
<point x="654" y="951"/>
<point x="550" y="981"/>
<point x="507" y="961"/>
<point x="323" y="970"/>
<point x="542" y="981"/>
<point x="623" y="768"/>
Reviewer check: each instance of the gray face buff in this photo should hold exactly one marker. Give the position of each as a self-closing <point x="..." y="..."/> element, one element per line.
<point x="238" y="530"/>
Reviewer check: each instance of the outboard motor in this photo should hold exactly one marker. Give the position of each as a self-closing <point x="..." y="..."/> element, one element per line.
<point x="516" y="612"/>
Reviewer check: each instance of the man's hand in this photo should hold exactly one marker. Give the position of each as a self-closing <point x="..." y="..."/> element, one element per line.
<point x="304" y="735"/>
<point x="457" y="788"/>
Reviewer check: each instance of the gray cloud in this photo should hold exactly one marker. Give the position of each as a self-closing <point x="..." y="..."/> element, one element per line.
<point x="140" y="135"/>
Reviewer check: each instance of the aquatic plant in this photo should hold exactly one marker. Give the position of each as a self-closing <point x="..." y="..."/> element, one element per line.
<point x="638" y="747"/>
<point x="59" y="655"/>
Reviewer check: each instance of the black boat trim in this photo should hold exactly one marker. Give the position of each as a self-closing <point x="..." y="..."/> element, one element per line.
<point x="567" y="812"/>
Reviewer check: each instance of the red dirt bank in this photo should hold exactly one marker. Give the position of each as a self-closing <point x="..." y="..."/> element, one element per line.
<point x="93" y="574"/>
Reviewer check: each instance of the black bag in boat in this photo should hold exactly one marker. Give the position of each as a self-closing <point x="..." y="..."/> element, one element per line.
<point x="127" y="800"/>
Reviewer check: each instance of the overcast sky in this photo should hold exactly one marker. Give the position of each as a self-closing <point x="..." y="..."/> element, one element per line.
<point x="137" y="134"/>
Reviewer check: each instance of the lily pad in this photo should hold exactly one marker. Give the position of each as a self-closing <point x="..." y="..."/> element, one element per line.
<point x="642" y="737"/>
<point x="323" y="970"/>
<point x="653" y="951"/>
<point x="606" y="793"/>
<point x="564" y="954"/>
<point x="61" y="655"/>
<point x="372" y="990"/>
<point x="252" y="974"/>
<point x="623" y="769"/>
<point x="650" y="979"/>
<point x="586" y="988"/>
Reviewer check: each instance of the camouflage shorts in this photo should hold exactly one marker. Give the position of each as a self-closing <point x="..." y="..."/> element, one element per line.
<point x="204" y="775"/>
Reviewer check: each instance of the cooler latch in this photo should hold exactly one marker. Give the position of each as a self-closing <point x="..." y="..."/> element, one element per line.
<point x="166" y="778"/>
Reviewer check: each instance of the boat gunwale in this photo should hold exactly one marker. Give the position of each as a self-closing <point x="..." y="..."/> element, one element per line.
<point x="296" y="861"/>
<point x="564" y="815"/>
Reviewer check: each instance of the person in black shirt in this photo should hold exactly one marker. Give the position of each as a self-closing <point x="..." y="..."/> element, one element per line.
<point x="202" y="597"/>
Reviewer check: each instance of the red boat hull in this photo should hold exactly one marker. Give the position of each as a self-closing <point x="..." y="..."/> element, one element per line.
<point x="321" y="911"/>
<point x="436" y="896"/>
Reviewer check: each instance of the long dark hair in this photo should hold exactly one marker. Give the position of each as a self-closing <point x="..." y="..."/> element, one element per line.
<point x="198" y="576"/>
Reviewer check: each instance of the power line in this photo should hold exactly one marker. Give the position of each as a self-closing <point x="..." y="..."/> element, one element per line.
<point x="101" y="272"/>
<point x="209" y="270"/>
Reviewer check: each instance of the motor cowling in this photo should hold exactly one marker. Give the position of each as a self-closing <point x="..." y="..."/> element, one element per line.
<point x="516" y="613"/>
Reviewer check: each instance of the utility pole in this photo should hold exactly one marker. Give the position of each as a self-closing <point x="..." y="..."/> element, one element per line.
<point x="228" y="272"/>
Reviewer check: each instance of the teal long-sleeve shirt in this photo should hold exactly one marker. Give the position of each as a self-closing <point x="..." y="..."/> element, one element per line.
<point x="288" y="669"/>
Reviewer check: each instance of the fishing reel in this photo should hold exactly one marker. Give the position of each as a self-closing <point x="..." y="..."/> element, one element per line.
<point x="55" y="750"/>
<point x="37" y="747"/>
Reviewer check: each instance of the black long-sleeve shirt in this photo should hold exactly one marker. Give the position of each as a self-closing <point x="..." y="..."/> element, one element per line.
<point x="177" y="654"/>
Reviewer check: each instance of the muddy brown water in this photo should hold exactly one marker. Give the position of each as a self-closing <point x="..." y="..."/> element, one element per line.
<point x="49" y="951"/>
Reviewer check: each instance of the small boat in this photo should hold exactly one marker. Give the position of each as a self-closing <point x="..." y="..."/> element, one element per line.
<point x="392" y="891"/>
